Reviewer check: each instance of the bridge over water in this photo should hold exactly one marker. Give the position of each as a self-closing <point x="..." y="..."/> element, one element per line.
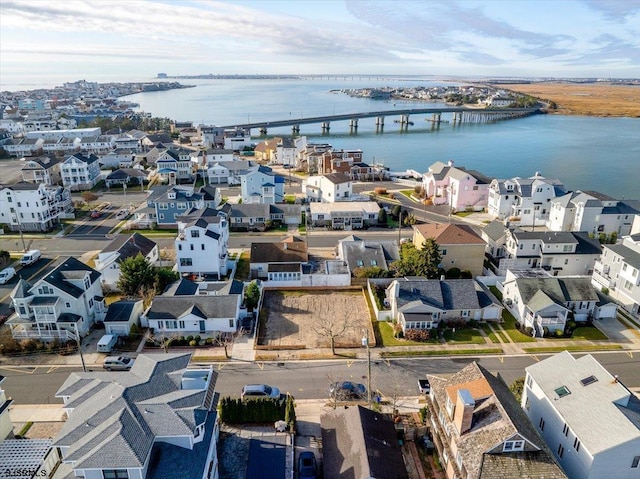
<point x="461" y="114"/>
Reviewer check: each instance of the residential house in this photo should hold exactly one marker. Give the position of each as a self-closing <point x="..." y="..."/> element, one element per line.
<point x="42" y="169"/>
<point x="327" y="188"/>
<point x="260" y="185"/>
<point x="281" y="261"/>
<point x="186" y="287"/>
<point x="360" y="443"/>
<point x="560" y="252"/>
<point x="212" y="136"/>
<point x="119" y="158"/>
<point x="344" y="215"/>
<point x="174" y="166"/>
<point x="151" y="155"/>
<point x="460" y="246"/>
<point x="339" y="161"/>
<point x="236" y="139"/>
<point x="592" y="212"/>
<point x="494" y="235"/>
<point x="80" y="171"/>
<point x="97" y="145"/>
<point x="259" y="217"/>
<point x="229" y="172"/>
<point x="126" y="176"/>
<point x="71" y="134"/>
<point x="617" y="272"/>
<point x="480" y="432"/>
<point x="123" y="247"/>
<point x="127" y="141"/>
<point x="166" y="203"/>
<point x="63" y="304"/>
<point x="587" y="417"/>
<point x="457" y="187"/>
<point x="286" y="153"/>
<point x="122" y="316"/>
<point x="360" y="253"/>
<point x="265" y="150"/>
<point x="523" y="201"/>
<point x="204" y="315"/>
<point x="421" y="303"/>
<point x="33" y="207"/>
<point x="545" y="303"/>
<point x="156" y="421"/>
<point x="202" y="242"/>
<point x="24" y="147"/>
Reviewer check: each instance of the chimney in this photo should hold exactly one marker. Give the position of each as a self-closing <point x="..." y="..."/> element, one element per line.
<point x="463" y="414"/>
<point x="450" y="162"/>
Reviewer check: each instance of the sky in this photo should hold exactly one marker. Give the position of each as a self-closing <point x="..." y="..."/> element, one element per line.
<point x="120" y="39"/>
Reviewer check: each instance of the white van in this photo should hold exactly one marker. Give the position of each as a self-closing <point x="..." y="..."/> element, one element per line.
<point x="6" y="274"/>
<point x="30" y="257"/>
<point x="107" y="342"/>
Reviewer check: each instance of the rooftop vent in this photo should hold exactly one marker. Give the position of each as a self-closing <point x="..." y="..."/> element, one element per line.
<point x="562" y="391"/>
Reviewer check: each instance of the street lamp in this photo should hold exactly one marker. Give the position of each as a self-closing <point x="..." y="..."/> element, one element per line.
<point x="365" y="343"/>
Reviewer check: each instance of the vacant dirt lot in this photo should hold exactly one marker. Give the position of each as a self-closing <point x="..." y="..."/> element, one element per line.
<point x="594" y="99"/>
<point x="294" y="318"/>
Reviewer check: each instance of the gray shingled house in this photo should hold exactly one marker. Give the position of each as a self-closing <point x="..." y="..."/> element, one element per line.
<point x="157" y="421"/>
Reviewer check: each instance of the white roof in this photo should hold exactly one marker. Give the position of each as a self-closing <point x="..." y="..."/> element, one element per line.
<point x="602" y="413"/>
<point x="344" y="206"/>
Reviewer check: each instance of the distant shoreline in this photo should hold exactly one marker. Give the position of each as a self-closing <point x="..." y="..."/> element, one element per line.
<point x="584" y="99"/>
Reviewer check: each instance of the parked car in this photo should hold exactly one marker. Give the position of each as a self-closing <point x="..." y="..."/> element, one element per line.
<point x="6" y="275"/>
<point x="252" y="391"/>
<point x="118" y="363"/>
<point x="347" y="390"/>
<point x="423" y="386"/>
<point x="30" y="257"/>
<point x="122" y="214"/>
<point x="95" y="214"/>
<point x="307" y="465"/>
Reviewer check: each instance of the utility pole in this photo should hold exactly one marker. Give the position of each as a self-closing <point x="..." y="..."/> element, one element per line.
<point x="365" y="342"/>
<point x="399" y="228"/>
<point x="24" y="246"/>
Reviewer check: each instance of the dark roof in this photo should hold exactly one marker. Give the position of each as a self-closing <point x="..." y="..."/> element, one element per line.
<point x="200" y="217"/>
<point x="124" y="173"/>
<point x="560" y="290"/>
<point x="85" y="158"/>
<point x="360" y="443"/>
<point x="45" y="161"/>
<point x="59" y="276"/>
<point x="130" y="246"/>
<point x="338" y="178"/>
<point x="182" y="287"/>
<point x="174" y="307"/>
<point x="119" y="311"/>
<point x="356" y="250"/>
<point x="284" y="252"/>
<point x="450" y="294"/>
<point x="247" y="210"/>
<point x="208" y="192"/>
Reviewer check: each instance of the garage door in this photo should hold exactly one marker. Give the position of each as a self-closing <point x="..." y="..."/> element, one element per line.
<point x="119" y="329"/>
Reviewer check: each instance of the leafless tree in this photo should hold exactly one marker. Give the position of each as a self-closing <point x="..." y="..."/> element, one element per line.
<point x="330" y="328"/>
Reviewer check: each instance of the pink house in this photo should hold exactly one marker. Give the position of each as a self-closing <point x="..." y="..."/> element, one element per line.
<point x="457" y="187"/>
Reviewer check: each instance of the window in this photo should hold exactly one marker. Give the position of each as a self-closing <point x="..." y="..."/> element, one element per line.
<point x="202" y="247"/>
<point x="195" y="234"/>
<point x="576" y="444"/>
<point x="562" y="391"/>
<point x="565" y="430"/>
<point x="115" y="474"/>
<point x="191" y="246"/>
<point x="231" y="322"/>
<point x="374" y="262"/>
<point x="527" y="404"/>
<point x="444" y="251"/>
<point x="541" y="424"/>
<point x="627" y="285"/>
<point x="68" y="305"/>
<point x="186" y="262"/>
<point x="635" y="463"/>
<point x="513" y="446"/>
<point x="529" y="381"/>
<point x="179" y="247"/>
<point x="588" y="380"/>
<point x="560" y="450"/>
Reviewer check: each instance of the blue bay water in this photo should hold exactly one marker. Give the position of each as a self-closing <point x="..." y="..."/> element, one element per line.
<point x="587" y="153"/>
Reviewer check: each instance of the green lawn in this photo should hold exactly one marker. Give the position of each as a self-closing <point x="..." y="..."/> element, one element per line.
<point x="487" y="329"/>
<point x="464" y="336"/>
<point x="495" y="292"/>
<point x="242" y="270"/>
<point x="509" y="325"/>
<point x="462" y="214"/>
<point x="461" y="336"/>
<point x="586" y="347"/>
<point x="441" y="352"/>
<point x="386" y="334"/>
<point x="589" y="333"/>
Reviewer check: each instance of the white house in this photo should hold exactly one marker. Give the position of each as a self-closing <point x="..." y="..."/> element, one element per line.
<point x="69" y="133"/>
<point x="236" y="139"/>
<point x="80" y="171"/>
<point x="545" y="303"/>
<point x="63" y="304"/>
<point x="121" y="248"/>
<point x="328" y="188"/>
<point x="24" y="147"/>
<point x="559" y="252"/>
<point x="33" y="207"/>
<point x="344" y="215"/>
<point x="523" y="201"/>
<point x="119" y="158"/>
<point x="229" y="172"/>
<point x="98" y="145"/>
<point x="156" y="421"/>
<point x="618" y="272"/>
<point x="202" y="242"/>
<point x="587" y="417"/>
<point x="260" y="185"/>
<point x="286" y="153"/>
<point x="421" y="303"/>
<point x="592" y="212"/>
<point x="457" y="187"/>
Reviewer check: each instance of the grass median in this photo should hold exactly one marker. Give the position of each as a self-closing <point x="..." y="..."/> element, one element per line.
<point x="577" y="348"/>
<point x="441" y="352"/>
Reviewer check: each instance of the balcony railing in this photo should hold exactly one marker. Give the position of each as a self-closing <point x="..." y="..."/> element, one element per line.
<point x="62" y="335"/>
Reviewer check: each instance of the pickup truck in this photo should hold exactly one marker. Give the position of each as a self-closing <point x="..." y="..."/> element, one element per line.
<point x="423" y="386"/>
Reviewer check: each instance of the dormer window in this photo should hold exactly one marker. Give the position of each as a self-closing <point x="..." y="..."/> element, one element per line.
<point x="87" y="283"/>
<point x="171" y="195"/>
<point x="510" y="446"/>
